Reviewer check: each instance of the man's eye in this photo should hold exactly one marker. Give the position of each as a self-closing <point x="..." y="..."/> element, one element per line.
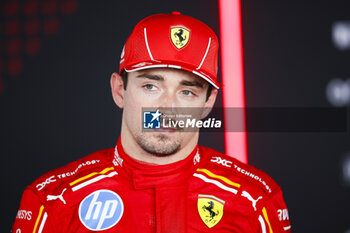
<point x="187" y="92"/>
<point x="149" y="87"/>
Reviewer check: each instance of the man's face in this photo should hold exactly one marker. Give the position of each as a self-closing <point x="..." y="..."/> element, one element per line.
<point x="162" y="88"/>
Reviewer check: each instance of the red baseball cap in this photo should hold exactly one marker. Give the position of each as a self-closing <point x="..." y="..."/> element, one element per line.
<point x="173" y="41"/>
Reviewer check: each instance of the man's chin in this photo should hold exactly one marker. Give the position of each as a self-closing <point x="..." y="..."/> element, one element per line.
<point x="159" y="144"/>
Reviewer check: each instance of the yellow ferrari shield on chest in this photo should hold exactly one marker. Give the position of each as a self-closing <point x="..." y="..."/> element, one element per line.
<point x="179" y="36"/>
<point x="210" y="209"/>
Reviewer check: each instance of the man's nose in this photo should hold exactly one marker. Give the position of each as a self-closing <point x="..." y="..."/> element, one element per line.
<point x="169" y="100"/>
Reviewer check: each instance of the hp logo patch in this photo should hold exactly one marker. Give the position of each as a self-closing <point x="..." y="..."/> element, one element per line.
<point x="101" y="210"/>
<point x="151" y="120"/>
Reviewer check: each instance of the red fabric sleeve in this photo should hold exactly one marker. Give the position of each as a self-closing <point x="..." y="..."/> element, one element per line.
<point x="31" y="216"/>
<point x="274" y="215"/>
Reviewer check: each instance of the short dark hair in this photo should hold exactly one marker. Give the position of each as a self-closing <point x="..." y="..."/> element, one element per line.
<point x="124" y="76"/>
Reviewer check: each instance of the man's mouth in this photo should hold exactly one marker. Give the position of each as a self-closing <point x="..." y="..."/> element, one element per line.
<point x="167" y="129"/>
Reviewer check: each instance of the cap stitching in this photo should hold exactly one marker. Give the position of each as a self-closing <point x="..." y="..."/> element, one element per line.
<point x="205" y="55"/>
<point x="146" y="41"/>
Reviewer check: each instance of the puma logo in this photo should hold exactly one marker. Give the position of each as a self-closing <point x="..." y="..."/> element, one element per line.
<point x="52" y="197"/>
<point x="250" y="198"/>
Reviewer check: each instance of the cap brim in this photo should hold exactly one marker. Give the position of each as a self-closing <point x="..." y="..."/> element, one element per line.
<point x="150" y="64"/>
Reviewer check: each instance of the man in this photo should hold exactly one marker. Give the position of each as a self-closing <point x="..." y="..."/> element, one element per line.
<point x="158" y="181"/>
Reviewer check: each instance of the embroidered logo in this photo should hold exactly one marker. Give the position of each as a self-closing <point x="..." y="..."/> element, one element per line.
<point x="250" y="198"/>
<point x="101" y="210"/>
<point x="210" y="209"/>
<point x="52" y="197"/>
<point x="179" y="36"/>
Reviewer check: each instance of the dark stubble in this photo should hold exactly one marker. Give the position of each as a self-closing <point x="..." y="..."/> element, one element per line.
<point x="159" y="145"/>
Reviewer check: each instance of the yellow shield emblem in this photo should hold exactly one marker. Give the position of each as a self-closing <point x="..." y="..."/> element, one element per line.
<point x="210" y="209"/>
<point x="179" y="36"/>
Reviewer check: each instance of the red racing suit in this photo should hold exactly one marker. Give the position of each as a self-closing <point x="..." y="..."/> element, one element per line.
<point x="109" y="191"/>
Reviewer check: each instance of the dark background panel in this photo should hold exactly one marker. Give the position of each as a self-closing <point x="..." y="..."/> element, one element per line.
<point x="58" y="108"/>
<point x="289" y="58"/>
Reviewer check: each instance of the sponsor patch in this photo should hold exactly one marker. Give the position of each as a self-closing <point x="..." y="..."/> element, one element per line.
<point x="72" y="173"/>
<point x="250" y="198"/>
<point x="142" y="64"/>
<point x="54" y="178"/>
<point x="179" y="36"/>
<point x="219" y="160"/>
<point x="49" y="180"/>
<point x="283" y="214"/>
<point x="24" y="214"/>
<point x="117" y="160"/>
<point x="253" y="176"/>
<point x="210" y="209"/>
<point x="101" y="210"/>
<point x="196" y="158"/>
<point x="55" y="197"/>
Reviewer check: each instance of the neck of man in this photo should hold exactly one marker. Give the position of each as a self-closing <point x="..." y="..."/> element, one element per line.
<point x="135" y="151"/>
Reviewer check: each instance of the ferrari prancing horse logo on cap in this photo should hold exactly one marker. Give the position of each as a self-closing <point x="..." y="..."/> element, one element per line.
<point x="179" y="36"/>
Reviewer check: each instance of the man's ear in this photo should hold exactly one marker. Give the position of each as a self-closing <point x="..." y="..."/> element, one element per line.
<point x="117" y="87"/>
<point x="209" y="103"/>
